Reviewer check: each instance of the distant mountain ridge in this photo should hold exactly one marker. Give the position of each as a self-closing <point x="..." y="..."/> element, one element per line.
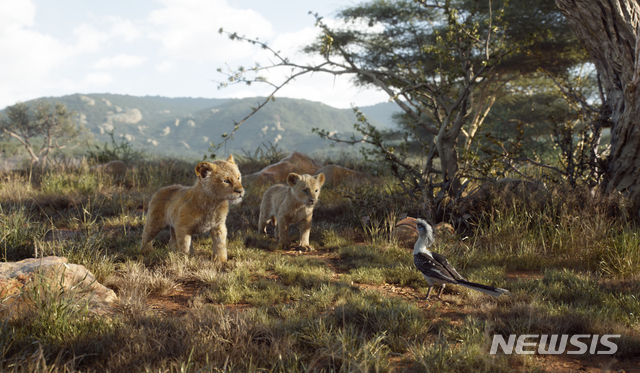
<point x="186" y="126"/>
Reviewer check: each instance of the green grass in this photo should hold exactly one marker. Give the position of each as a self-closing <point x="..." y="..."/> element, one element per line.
<point x="276" y="311"/>
<point x="18" y="231"/>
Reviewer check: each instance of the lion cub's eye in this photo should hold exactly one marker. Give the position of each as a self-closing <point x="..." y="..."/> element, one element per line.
<point x="306" y="191"/>
<point x="316" y="190"/>
<point x="227" y="181"/>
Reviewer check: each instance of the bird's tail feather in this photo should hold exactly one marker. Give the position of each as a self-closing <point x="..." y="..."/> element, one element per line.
<point x="496" y="292"/>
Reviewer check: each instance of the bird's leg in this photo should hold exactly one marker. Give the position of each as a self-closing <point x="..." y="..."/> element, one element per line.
<point x="441" y="290"/>
<point x="428" y="292"/>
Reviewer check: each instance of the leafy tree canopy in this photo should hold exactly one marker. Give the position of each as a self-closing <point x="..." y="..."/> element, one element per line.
<point x="444" y="63"/>
<point x="53" y="124"/>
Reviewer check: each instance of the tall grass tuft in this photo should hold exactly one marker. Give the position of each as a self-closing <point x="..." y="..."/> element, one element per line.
<point x="622" y="259"/>
<point x="19" y="232"/>
<point x="86" y="250"/>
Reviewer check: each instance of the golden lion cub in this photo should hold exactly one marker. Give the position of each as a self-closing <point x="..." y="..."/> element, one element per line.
<point x="284" y="205"/>
<point x="197" y="209"/>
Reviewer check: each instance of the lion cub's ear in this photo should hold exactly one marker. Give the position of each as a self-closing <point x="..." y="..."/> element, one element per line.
<point x="320" y="178"/>
<point x="293" y="179"/>
<point x="204" y="169"/>
<point x="230" y="159"/>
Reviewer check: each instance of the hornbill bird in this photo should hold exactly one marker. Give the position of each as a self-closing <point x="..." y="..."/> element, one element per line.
<point x="436" y="268"/>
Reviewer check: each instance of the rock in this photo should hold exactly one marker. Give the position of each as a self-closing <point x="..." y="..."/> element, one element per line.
<point x="301" y="164"/>
<point x="507" y="187"/>
<point x="335" y="174"/>
<point x="277" y="173"/>
<point x="404" y="236"/>
<point x="111" y="168"/>
<point x="407" y="237"/>
<point x="444" y="230"/>
<point x="130" y="116"/>
<point x="17" y="279"/>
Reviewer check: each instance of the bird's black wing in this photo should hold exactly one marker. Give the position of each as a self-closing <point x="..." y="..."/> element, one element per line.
<point x="433" y="268"/>
<point x="445" y="263"/>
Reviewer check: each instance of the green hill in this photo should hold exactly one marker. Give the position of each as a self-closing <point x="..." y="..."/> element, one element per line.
<point x="186" y="126"/>
<point x="382" y="113"/>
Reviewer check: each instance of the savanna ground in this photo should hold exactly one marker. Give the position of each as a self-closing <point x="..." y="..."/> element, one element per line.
<point x="570" y="260"/>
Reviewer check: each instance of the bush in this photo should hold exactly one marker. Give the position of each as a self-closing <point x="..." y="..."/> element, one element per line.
<point x="122" y="151"/>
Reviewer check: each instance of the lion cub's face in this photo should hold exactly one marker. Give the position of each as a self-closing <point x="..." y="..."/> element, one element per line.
<point x="221" y="179"/>
<point x="306" y="188"/>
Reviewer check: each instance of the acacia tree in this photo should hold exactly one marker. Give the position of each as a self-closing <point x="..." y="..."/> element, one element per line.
<point x="610" y="31"/>
<point x="54" y="124"/>
<point x="435" y="62"/>
<point x="439" y="63"/>
<point x="443" y="63"/>
<point x="553" y="122"/>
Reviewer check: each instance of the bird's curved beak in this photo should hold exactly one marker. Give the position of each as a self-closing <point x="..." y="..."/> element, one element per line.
<point x="409" y="223"/>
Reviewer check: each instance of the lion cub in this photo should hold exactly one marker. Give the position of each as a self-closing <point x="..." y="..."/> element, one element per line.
<point x="284" y="205"/>
<point x="197" y="209"/>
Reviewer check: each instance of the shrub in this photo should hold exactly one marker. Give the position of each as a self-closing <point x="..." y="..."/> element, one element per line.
<point x="122" y="151"/>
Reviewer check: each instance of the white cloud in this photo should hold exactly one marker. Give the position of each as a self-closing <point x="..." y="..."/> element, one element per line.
<point x="165" y="67"/>
<point x="290" y="44"/>
<point x="122" y="61"/>
<point x="29" y="57"/>
<point x="189" y="29"/>
<point x="125" y="28"/>
<point x="98" y="79"/>
<point x="16" y="13"/>
<point x="179" y="36"/>
<point x="336" y="91"/>
<point x="89" y="38"/>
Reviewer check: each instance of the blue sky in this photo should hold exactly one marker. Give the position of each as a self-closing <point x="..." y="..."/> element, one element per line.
<point x="156" y="47"/>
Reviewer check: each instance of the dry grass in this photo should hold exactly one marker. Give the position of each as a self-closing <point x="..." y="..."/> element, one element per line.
<point x="269" y="310"/>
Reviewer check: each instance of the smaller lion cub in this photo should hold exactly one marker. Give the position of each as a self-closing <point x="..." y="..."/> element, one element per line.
<point x="200" y="208"/>
<point x="284" y="205"/>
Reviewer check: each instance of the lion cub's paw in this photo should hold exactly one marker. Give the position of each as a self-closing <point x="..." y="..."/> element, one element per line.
<point x="306" y="248"/>
<point x="220" y="258"/>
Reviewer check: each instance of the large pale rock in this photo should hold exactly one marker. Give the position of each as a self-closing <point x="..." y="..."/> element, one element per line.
<point x="130" y="116"/>
<point x="17" y="279"/>
<point x="301" y="164"/>
<point x="277" y="173"/>
<point x="111" y="168"/>
<point x="335" y="174"/>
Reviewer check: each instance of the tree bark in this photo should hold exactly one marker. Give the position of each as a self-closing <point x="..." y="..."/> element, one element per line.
<point x="448" y="152"/>
<point x="609" y="30"/>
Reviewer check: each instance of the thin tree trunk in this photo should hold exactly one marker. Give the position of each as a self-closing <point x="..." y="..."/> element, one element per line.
<point x="448" y="152"/>
<point x="609" y="30"/>
<point x="27" y="145"/>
